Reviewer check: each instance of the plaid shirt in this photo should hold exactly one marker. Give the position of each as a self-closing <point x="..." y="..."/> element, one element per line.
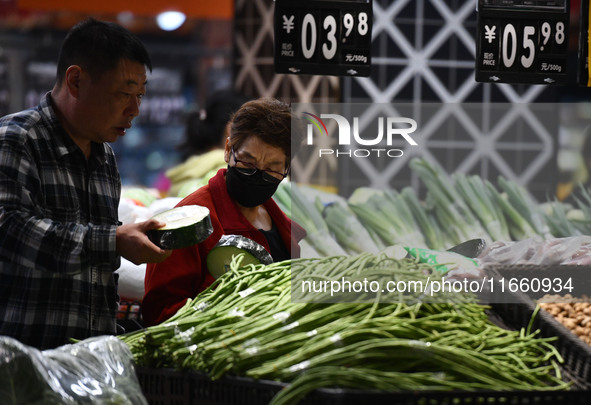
<point x="58" y="221"/>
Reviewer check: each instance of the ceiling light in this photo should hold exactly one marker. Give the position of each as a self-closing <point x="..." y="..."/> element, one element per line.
<point x="170" y="20"/>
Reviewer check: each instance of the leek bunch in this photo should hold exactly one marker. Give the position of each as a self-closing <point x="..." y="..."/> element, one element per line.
<point x="455" y="217"/>
<point x="427" y="222"/>
<point x="283" y="197"/>
<point x="306" y="214"/>
<point x="478" y="197"/>
<point x="519" y="228"/>
<point x="558" y="221"/>
<point x="520" y="199"/>
<point x="582" y="221"/>
<point x="387" y="215"/>
<point x="347" y="229"/>
<point x="456" y="208"/>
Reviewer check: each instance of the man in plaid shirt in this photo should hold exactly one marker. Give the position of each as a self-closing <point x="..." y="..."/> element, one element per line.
<point x="60" y="238"/>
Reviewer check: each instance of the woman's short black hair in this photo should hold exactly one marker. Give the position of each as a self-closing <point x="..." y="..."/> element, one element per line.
<point x="97" y="47"/>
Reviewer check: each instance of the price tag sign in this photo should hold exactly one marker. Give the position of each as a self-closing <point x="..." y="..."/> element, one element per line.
<point x="323" y="37"/>
<point x="522" y="41"/>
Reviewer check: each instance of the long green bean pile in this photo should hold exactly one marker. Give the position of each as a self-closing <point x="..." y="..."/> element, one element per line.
<point x="246" y="324"/>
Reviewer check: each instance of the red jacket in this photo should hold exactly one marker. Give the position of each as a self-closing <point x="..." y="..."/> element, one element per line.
<point x="184" y="273"/>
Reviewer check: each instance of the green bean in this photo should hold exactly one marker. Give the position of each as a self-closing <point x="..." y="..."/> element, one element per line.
<point x="247" y="323"/>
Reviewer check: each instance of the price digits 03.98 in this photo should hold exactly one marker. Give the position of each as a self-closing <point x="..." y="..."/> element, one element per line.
<point x="309" y="39"/>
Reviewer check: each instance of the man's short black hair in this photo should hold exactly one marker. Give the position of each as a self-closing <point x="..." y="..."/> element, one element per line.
<point x="98" y="46"/>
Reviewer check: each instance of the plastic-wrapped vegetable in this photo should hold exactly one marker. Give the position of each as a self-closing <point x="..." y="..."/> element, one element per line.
<point x="221" y="255"/>
<point x="574" y="250"/>
<point x="96" y="370"/>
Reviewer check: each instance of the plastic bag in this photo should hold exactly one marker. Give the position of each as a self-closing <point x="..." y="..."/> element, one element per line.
<point x="443" y="261"/>
<point x="538" y="251"/>
<point x="97" y="370"/>
<point x="130" y="285"/>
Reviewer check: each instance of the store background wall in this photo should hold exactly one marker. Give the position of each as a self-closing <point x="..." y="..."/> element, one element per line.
<point x="422" y="51"/>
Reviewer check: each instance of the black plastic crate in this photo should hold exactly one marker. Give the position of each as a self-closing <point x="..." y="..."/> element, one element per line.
<point x="198" y="389"/>
<point x="164" y="387"/>
<point x="232" y="390"/>
<point x="355" y="397"/>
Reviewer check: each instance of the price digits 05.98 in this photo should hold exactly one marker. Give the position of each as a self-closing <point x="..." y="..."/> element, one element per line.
<point x="547" y="37"/>
<point x="523" y="46"/>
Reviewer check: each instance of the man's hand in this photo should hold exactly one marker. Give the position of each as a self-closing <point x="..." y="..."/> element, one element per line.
<point x="135" y="246"/>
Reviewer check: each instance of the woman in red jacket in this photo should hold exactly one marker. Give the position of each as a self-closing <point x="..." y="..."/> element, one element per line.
<point x="258" y="153"/>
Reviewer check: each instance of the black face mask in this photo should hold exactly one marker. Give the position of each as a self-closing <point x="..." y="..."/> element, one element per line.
<point x="249" y="191"/>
